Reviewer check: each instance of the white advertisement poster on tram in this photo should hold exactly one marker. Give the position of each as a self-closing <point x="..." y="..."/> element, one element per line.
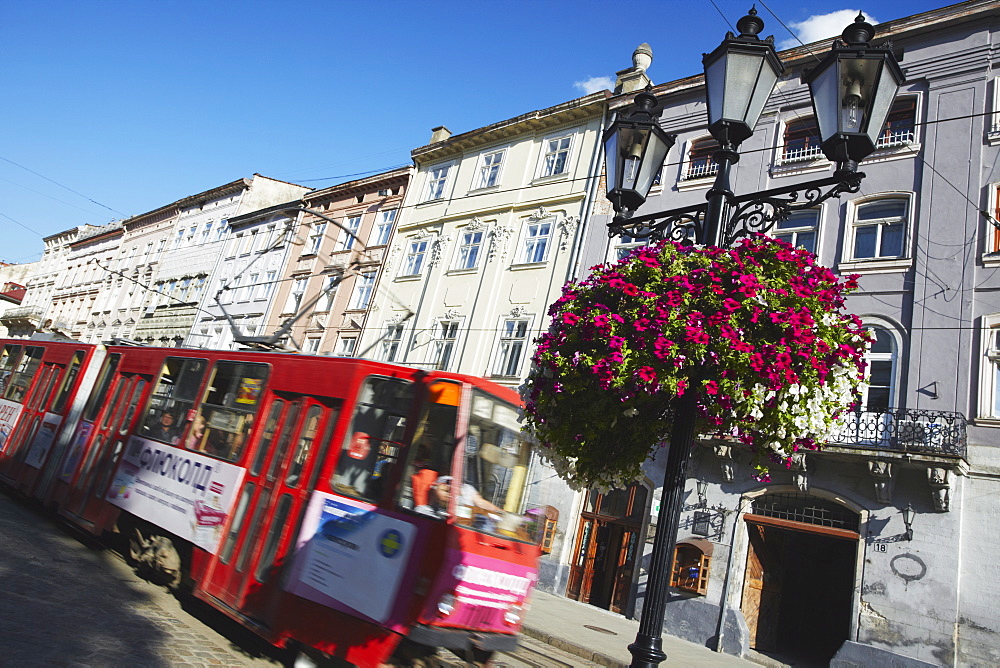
<point x="184" y="492"/>
<point x="9" y="412"/>
<point x="44" y="438"/>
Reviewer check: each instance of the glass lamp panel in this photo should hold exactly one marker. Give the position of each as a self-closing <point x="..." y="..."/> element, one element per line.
<point x="652" y="160"/>
<point x="742" y="71"/>
<point x="611" y="158"/>
<point x="883" y="96"/>
<point x="715" y="84"/>
<point x="766" y="79"/>
<point x="826" y="100"/>
<point x="633" y="149"/>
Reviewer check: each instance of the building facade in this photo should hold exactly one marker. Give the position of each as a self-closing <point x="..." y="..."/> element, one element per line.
<point x="872" y="551"/>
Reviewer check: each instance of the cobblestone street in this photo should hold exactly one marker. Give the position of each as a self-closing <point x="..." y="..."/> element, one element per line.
<point x="68" y="602"/>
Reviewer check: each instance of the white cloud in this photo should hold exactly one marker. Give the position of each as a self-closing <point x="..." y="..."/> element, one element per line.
<point x="594" y="84"/>
<point x="821" y="26"/>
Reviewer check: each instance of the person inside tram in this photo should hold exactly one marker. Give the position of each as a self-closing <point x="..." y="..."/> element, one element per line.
<point x="165" y="429"/>
<point x="439" y="495"/>
<point x="197" y="433"/>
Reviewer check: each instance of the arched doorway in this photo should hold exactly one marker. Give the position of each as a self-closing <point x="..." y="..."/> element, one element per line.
<point x="607" y="547"/>
<point x="799" y="585"/>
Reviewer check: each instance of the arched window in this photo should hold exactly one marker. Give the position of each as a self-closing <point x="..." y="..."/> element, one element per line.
<point x="879" y="229"/>
<point x="699" y="162"/>
<point x="801" y="140"/>
<point x="879" y="394"/>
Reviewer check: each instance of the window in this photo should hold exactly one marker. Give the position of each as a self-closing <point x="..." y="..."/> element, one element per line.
<point x="555" y="155"/>
<point x="316" y="238"/>
<point x="444" y="343"/>
<point x="437" y="178"/>
<point x="801" y="140"/>
<point x="346" y="241"/>
<point x="900" y="124"/>
<point x="17" y="379"/>
<point x="881" y="360"/>
<point x="373" y="443"/>
<point x="691" y="565"/>
<point x="363" y="286"/>
<point x="391" y="341"/>
<point x="513" y="342"/>
<point x="536" y="241"/>
<point x="329" y="293"/>
<point x="625" y="244"/>
<point x="173" y="397"/>
<point x="880" y="229"/>
<point x="295" y="296"/>
<point x="206" y="232"/>
<point x="179" y="239"/>
<point x="415" y="258"/>
<point x="266" y="289"/>
<point x="799" y="229"/>
<point x="346" y="346"/>
<point x="312" y="345"/>
<point x="222" y="426"/>
<point x="989" y="390"/>
<point x="699" y="163"/>
<point x="384" y="230"/>
<point x="489" y="169"/>
<point x="468" y="250"/>
<point x="245" y="241"/>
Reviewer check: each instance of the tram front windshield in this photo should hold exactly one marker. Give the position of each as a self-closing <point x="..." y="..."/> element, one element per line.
<point x="491" y="462"/>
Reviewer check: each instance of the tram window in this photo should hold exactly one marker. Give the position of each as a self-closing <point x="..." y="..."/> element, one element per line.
<point x="270" y="426"/>
<point x="67" y="384"/>
<point x="8" y="361"/>
<point x="173" y="397"/>
<point x="372" y="444"/>
<point x="324" y="446"/>
<point x="99" y="397"/>
<point x="50" y="388"/>
<point x="495" y="464"/>
<point x="273" y="537"/>
<point x="20" y="380"/>
<point x="133" y="404"/>
<point x="224" y="419"/>
<point x="234" y="528"/>
<point x="306" y="439"/>
<point x="433" y="447"/>
<point x="286" y="437"/>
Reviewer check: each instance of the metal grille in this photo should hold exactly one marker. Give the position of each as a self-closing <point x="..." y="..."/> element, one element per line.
<point x="806" y="509"/>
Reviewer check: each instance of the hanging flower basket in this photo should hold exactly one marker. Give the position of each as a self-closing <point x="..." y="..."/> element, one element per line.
<point x="757" y="332"/>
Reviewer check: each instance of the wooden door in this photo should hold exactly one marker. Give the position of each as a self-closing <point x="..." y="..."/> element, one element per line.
<point x="624" y="571"/>
<point x="762" y="588"/>
<point x="578" y="587"/>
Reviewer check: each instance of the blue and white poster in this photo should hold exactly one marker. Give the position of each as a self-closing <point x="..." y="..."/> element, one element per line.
<point x="351" y="556"/>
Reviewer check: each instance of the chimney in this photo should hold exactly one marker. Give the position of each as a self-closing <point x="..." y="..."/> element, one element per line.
<point x="440" y="133"/>
<point x="634" y="78"/>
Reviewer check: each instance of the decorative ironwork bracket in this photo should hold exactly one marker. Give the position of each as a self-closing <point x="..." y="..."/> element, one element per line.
<point x="756" y="213"/>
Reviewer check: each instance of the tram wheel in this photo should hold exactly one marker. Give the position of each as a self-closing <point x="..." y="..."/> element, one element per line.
<point x="480" y="657"/>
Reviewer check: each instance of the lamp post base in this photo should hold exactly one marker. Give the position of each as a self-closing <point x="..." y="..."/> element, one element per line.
<point x="647" y="652"/>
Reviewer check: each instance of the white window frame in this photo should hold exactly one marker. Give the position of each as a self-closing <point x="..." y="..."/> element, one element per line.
<point x="316" y="238"/>
<point x="989" y="370"/>
<point x="392" y="341"/>
<point x="364" y="287"/>
<point x="880" y="357"/>
<point x="527" y="253"/>
<point x="507" y="337"/>
<point x="445" y="343"/>
<point x="312" y="345"/>
<point x="346" y="346"/>
<point x="386" y="221"/>
<point x="437" y="181"/>
<point x="467" y="250"/>
<point x="346" y="241"/>
<point x="551" y="147"/>
<point x="792" y="232"/>
<point x="325" y="302"/>
<point x="854" y="224"/>
<point x="624" y="244"/>
<point x="295" y="294"/>
<point x="416" y="257"/>
<point x="696" y="177"/>
<point x="490" y="169"/>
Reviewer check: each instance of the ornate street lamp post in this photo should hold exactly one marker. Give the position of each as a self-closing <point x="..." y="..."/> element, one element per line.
<point x="852" y="91"/>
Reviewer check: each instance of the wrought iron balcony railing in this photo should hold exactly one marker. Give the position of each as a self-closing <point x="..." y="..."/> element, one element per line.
<point x="903" y="430"/>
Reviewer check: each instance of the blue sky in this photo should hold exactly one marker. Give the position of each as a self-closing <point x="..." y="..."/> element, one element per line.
<point x="111" y="109"/>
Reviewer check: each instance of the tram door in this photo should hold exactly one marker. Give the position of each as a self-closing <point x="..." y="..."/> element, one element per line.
<point x="86" y="497"/>
<point x="24" y="385"/>
<point x="244" y="574"/>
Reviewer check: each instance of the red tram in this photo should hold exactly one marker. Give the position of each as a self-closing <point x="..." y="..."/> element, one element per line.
<point x="363" y="511"/>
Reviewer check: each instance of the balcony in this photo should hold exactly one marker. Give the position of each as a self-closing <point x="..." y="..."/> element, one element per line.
<point x="31" y="314"/>
<point x="903" y="430"/>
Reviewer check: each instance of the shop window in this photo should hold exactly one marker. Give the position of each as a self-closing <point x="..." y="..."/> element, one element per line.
<point x="691" y="565"/>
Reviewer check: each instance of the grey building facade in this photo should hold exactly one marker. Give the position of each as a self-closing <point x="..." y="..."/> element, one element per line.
<point x="879" y="549"/>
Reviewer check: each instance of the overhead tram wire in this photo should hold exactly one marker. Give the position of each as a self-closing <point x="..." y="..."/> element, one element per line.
<point x="75" y="192"/>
